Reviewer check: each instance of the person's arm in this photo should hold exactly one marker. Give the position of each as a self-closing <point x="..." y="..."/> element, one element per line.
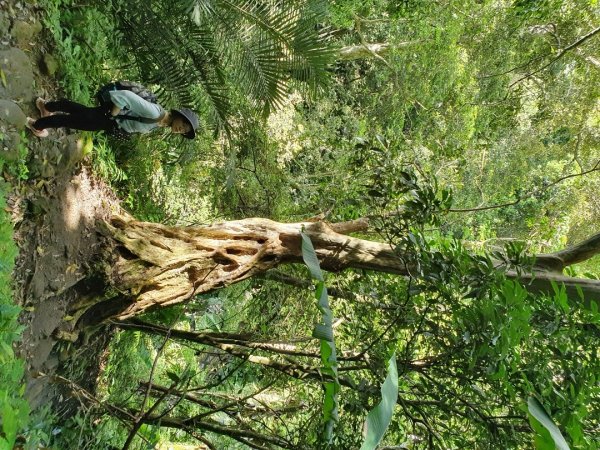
<point x="115" y="110"/>
<point x="137" y="105"/>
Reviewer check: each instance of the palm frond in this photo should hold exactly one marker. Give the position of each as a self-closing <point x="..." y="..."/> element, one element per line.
<point x="204" y="52"/>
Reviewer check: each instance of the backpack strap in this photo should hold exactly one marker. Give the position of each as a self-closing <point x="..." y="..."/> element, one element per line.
<point x="141" y="119"/>
<point x="138" y="119"/>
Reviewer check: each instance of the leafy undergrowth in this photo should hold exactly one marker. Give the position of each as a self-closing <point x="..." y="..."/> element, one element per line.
<point x="14" y="410"/>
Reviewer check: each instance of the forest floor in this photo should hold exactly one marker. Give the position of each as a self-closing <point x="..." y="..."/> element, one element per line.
<point x="54" y="210"/>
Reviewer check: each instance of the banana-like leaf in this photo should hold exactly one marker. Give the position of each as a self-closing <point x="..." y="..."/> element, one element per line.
<point x="380" y="417"/>
<point x="310" y="258"/>
<point x="538" y="413"/>
<point x="324" y="332"/>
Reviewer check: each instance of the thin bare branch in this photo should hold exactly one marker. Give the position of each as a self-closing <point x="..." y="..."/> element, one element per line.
<point x="281" y="277"/>
<point x="531" y="192"/>
<point x="560" y="54"/>
<point x="138" y="421"/>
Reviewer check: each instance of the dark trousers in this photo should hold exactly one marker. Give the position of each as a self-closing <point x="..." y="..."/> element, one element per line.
<point x="75" y="115"/>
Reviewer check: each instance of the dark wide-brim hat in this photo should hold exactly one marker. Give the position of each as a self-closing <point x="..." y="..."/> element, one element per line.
<point x="192" y="118"/>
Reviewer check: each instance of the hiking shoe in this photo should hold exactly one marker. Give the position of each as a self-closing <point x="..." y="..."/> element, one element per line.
<point x="35" y="131"/>
<point x="41" y="106"/>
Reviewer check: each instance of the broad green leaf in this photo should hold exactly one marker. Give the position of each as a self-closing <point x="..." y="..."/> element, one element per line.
<point x="537" y="412"/>
<point x="324" y="332"/>
<point x="6" y="353"/>
<point x="5" y="445"/>
<point x="379" y="418"/>
<point x="173" y="376"/>
<point x="151" y="433"/>
<point x="9" y="423"/>
<point x="310" y="257"/>
<point x="322" y="296"/>
<point x="579" y="292"/>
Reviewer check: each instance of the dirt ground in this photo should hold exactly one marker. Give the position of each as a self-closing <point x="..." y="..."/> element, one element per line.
<point x="54" y="211"/>
<point x="58" y="245"/>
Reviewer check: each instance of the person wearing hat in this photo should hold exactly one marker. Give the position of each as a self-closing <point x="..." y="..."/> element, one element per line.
<point x="130" y="113"/>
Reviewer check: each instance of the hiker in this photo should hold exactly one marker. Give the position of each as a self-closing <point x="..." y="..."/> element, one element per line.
<point x="127" y="113"/>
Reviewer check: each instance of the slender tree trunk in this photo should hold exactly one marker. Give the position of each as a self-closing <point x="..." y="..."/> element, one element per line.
<point x="557" y="261"/>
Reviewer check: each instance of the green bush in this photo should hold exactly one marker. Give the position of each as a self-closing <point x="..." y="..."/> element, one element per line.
<point x="14" y="410"/>
<point x="83" y="43"/>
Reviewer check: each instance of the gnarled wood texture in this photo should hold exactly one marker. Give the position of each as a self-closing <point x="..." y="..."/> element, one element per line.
<point x="156" y="265"/>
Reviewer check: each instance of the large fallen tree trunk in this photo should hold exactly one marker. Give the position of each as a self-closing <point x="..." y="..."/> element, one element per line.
<point x="153" y="265"/>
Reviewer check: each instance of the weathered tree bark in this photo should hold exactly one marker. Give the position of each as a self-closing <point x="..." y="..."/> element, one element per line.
<point x="557" y="261"/>
<point x="370" y="50"/>
<point x="153" y="265"/>
<point x="549" y="268"/>
<point x="352" y="52"/>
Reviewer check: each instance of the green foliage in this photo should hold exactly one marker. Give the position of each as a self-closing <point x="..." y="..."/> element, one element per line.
<point x="14" y="410"/>
<point x="536" y="9"/>
<point x="129" y="362"/>
<point x="379" y="418"/>
<point x="209" y="52"/>
<point x="548" y="435"/>
<point x="88" y="430"/>
<point x="83" y="38"/>
<point x="444" y="99"/>
<point x="324" y="332"/>
<point x="157" y="189"/>
<point x="17" y="167"/>
<point x="250" y="181"/>
<point x="104" y="162"/>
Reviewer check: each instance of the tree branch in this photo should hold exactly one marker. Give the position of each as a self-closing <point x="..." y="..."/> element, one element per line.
<point x="217" y="428"/>
<point x="531" y="193"/>
<point x="281" y="277"/>
<point x="560" y="54"/>
<point x="138" y="421"/>
<point x="577" y="253"/>
<point x="351" y="226"/>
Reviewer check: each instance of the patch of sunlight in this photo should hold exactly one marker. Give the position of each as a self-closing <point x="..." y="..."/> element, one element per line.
<point x="173" y="446"/>
<point x="285" y="131"/>
<point x="529" y="107"/>
<point x="72" y="210"/>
